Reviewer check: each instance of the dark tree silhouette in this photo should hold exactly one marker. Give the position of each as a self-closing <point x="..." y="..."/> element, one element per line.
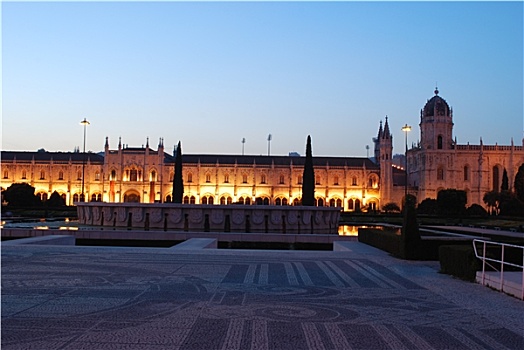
<point x="21" y="195"/>
<point x="505" y="181"/>
<point x="55" y="200"/>
<point x="519" y="183"/>
<point x="178" y="182"/>
<point x="410" y="235"/>
<point x="308" y="177"/>
<point x="428" y="206"/>
<point x="451" y="202"/>
<point x="391" y="208"/>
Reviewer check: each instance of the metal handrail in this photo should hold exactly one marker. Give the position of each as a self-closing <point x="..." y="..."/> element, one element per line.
<point x="485" y="260"/>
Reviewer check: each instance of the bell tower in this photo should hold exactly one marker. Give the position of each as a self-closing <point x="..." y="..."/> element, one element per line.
<point x="436" y="124"/>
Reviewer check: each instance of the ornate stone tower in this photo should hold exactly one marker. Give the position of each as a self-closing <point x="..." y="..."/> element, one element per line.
<point x="384" y="150"/>
<point x="436" y="124"/>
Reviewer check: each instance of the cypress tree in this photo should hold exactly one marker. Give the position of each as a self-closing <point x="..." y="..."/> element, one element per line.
<point x="505" y="182"/>
<point x="178" y="182"/>
<point x="308" y="177"/>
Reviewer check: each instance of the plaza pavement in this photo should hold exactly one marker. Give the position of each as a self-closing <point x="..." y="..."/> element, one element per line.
<point x="67" y="297"/>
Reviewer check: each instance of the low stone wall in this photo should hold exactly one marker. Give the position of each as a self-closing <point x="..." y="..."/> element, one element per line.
<point x="211" y="218"/>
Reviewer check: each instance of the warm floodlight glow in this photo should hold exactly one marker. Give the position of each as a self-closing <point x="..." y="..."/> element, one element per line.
<point x="406" y="128"/>
<point x="85" y="122"/>
<point x="41" y="227"/>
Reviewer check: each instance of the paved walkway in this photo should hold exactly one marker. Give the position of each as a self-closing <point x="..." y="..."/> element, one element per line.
<point x="151" y="298"/>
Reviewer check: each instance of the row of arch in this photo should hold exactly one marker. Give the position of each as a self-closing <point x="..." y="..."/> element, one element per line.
<point x="352" y="203"/>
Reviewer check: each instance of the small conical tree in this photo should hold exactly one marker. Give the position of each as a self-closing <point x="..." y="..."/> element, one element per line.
<point x="308" y="177"/>
<point x="178" y="182"/>
<point x="519" y="183"/>
<point x="505" y="182"/>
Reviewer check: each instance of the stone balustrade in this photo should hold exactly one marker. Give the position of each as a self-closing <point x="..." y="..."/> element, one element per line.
<point x="211" y="218"/>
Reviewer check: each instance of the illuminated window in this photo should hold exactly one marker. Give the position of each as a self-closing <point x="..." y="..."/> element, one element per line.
<point x="113" y="175"/>
<point x="226" y="178"/>
<point x="60" y="175"/>
<point x="354" y="181"/>
<point x="97" y="176"/>
<point x="24" y="174"/>
<point x="189" y="177"/>
<point x="42" y="175"/>
<point x="281" y="180"/>
<point x="299" y="180"/>
<point x="244" y="178"/>
<point x="335" y="181"/>
<point x="79" y="175"/>
<point x="263" y="179"/>
<point x="373" y="181"/>
<point x="208" y="178"/>
<point x="6" y="174"/>
<point x="152" y="178"/>
<point x="466" y="173"/>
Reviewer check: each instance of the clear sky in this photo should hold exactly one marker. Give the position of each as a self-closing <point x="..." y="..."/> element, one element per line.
<point x="210" y="74"/>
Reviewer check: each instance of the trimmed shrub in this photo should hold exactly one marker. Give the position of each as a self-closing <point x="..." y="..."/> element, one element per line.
<point x="459" y="261"/>
<point x="382" y="239"/>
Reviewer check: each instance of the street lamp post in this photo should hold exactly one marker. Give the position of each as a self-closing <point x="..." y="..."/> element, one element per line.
<point x="85" y="123"/>
<point x="406" y="128"/>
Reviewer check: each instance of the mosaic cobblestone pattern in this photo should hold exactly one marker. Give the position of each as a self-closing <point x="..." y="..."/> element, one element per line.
<point x="88" y="298"/>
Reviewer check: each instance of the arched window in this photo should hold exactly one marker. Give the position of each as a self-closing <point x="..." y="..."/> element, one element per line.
<point x="168" y="198"/>
<point x="320" y="202"/>
<point x="6" y="174"/>
<point x="496" y="179"/>
<point x="281" y="180"/>
<point x="225" y="200"/>
<point x="296" y="201"/>
<point x="263" y="179"/>
<point x="440" y="173"/>
<point x="248" y="201"/>
<point x="207" y="199"/>
<point x="466" y="173"/>
<point x="226" y="178"/>
<point x="317" y="180"/>
<point x="42" y="175"/>
<point x="79" y="175"/>
<point x="357" y="204"/>
<point x="185" y="200"/>
<point x="76" y="197"/>
<point x="278" y="201"/>
<point x="332" y="202"/>
<point x="373" y="181"/>
<point x="354" y="181"/>
<point x="43" y="196"/>
<point x="24" y="174"/>
<point x="351" y="204"/>
<point x="64" y="197"/>
<point x="335" y="181"/>
<point x="113" y="175"/>
<point x="133" y="175"/>
<point x="189" y="177"/>
<point x="208" y="177"/>
<point x="439" y="142"/>
<point x="152" y="176"/>
<point x="96" y="197"/>
<point x="97" y="176"/>
<point x="299" y="180"/>
<point x="241" y="200"/>
<point x="244" y="178"/>
<point x="60" y="175"/>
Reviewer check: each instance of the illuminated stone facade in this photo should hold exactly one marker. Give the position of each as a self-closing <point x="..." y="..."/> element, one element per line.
<point x="145" y="175"/>
<point x="439" y="162"/>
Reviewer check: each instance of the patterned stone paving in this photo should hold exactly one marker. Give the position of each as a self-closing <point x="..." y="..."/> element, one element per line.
<point x="118" y="298"/>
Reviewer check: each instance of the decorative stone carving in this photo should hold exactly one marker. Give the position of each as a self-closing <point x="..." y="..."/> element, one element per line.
<point x="217" y="216"/>
<point x="137" y="214"/>
<point x="306" y="217"/>
<point x="108" y="213"/>
<point x="276" y="217"/>
<point x="175" y="215"/>
<point x="257" y="217"/>
<point x="155" y="215"/>
<point x="121" y="214"/>
<point x="292" y="217"/>
<point x="195" y="216"/>
<point x="237" y="217"/>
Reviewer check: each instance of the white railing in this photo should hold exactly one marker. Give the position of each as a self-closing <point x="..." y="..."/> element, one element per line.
<point x="486" y="261"/>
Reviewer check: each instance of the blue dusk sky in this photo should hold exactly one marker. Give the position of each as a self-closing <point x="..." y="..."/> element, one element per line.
<point x="212" y="73"/>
